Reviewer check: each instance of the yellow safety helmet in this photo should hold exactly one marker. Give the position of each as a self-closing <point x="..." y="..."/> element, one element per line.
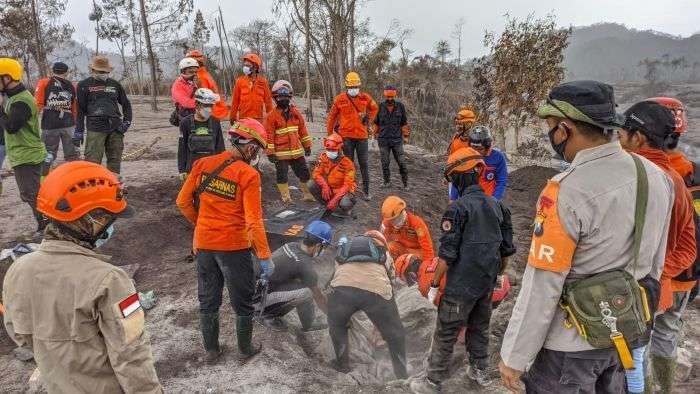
<point x="11" y="67"/>
<point x="352" y="79"/>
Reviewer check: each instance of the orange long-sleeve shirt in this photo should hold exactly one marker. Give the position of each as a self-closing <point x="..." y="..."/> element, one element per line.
<point x="414" y="234"/>
<point x="338" y="174"/>
<point x="230" y="213"/>
<point x="289" y="136"/>
<point x="220" y="110"/>
<point x="348" y="118"/>
<point x="251" y="98"/>
<point x="680" y="247"/>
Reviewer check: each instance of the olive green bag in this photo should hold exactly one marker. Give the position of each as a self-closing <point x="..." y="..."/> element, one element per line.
<point x="611" y="308"/>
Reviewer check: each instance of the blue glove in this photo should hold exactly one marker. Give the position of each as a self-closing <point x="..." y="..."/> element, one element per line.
<point x="267" y="267"/>
<point x="77" y="138"/>
<point x="123" y="127"/>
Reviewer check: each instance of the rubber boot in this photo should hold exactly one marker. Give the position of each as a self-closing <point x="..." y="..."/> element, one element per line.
<point x="284" y="192"/>
<point x="307" y="316"/>
<point x="209" y="324"/>
<point x="244" y="334"/>
<point x="664" y="372"/>
<point x="307" y="196"/>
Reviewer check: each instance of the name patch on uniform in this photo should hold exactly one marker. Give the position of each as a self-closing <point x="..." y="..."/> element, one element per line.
<point x="223" y="188"/>
<point x="130" y="305"/>
<point x="490" y="176"/>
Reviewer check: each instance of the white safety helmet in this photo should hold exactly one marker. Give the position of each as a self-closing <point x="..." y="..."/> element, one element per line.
<point x="282" y="88"/>
<point x="205" y="96"/>
<point x="187" y="63"/>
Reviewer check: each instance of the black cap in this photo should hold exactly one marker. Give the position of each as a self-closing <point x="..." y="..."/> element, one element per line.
<point x="592" y="101"/>
<point x="652" y="119"/>
<point x="59" y="68"/>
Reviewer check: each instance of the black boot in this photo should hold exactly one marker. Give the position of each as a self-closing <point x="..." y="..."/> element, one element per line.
<point x="209" y="324"/>
<point x="307" y="317"/>
<point x="244" y="333"/>
<point x="404" y="179"/>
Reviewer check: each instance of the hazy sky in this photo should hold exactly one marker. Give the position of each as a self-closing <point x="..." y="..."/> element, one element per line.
<point x="433" y="20"/>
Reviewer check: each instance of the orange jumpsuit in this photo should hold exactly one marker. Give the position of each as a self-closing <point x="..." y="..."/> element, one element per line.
<point x="413" y="237"/>
<point x="349" y="118"/>
<point x="230" y="216"/>
<point x="339" y="175"/>
<point x="249" y="97"/>
<point x="220" y="110"/>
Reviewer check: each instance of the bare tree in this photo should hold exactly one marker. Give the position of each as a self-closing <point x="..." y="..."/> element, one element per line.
<point x="457" y="35"/>
<point x="200" y="32"/>
<point x="151" y="57"/>
<point x="95" y="16"/>
<point x="115" y="28"/>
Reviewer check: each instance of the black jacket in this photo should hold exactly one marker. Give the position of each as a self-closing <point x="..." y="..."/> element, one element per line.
<point x="98" y="105"/>
<point x="390" y="122"/>
<point x="209" y="131"/>
<point x="59" y="95"/>
<point x="476" y="233"/>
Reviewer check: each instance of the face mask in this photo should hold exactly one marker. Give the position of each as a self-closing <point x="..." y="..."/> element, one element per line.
<point x="247" y="70"/>
<point x="353" y="92"/>
<point x="282" y="103"/>
<point x="255" y="159"/>
<point x="105" y="237"/>
<point x="100" y="77"/>
<point x="560" y="147"/>
<point x="390" y="101"/>
<point x="332" y="155"/>
<point x="400" y="220"/>
<point x="205" y="112"/>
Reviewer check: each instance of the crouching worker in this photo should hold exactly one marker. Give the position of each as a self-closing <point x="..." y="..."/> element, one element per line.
<point x="405" y="231"/>
<point x="361" y="283"/>
<point x="294" y="282"/>
<point x="200" y="132"/>
<point x="221" y="197"/>
<point x="334" y="178"/>
<point x="477" y="235"/>
<point x="79" y="312"/>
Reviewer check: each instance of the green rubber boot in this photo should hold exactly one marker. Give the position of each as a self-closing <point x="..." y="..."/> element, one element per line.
<point x="244" y="333"/>
<point x="664" y="372"/>
<point x="209" y="324"/>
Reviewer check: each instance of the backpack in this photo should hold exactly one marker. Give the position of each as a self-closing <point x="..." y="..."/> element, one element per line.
<point x="201" y="140"/>
<point x="360" y="249"/>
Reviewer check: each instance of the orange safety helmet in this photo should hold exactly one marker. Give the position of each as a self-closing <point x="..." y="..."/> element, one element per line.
<point x="254" y="58"/>
<point x="74" y="189"/>
<point x="392" y="207"/>
<point x="465" y="117"/>
<point x="333" y="142"/>
<point x="377" y="236"/>
<point x="248" y="129"/>
<point x="463" y="160"/>
<point x="678" y="109"/>
<point x="196" y="55"/>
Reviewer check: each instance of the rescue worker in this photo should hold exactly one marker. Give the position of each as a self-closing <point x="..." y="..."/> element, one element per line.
<point x="20" y="124"/>
<point x="361" y="283"/>
<point x="200" y="132"/>
<point x="2" y="153"/>
<point x="56" y="100"/>
<point x="78" y="311"/>
<point x="294" y="283"/>
<point x="392" y="134"/>
<point x="333" y="179"/>
<point x="350" y="116"/>
<point x="464" y="121"/>
<point x="476" y="241"/>
<point x="204" y="80"/>
<point x="648" y="128"/>
<point x="494" y="178"/>
<point x="289" y="141"/>
<point x="183" y="88"/>
<point x="251" y="97"/>
<point x="585" y="225"/>
<point x="99" y="99"/>
<point x="412" y="270"/>
<point x="222" y="198"/>
<point x="405" y="231"/>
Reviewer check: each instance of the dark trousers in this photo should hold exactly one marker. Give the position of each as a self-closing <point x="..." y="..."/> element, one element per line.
<point x="595" y="371"/>
<point x="282" y="299"/>
<point x="301" y="170"/>
<point x="347" y="202"/>
<point x="101" y="144"/>
<point x="235" y="269"/>
<point x="53" y="138"/>
<point x="395" y="148"/>
<point x="28" y="177"/>
<point x="453" y="314"/>
<point x="343" y="302"/>
<point x="361" y="147"/>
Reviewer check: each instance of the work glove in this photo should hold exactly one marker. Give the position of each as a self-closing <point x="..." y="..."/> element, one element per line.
<point x="267" y="267"/>
<point x="183" y="177"/>
<point x="326" y="193"/>
<point x="123" y="127"/>
<point x="433" y="293"/>
<point x="333" y="204"/>
<point x="307" y="152"/>
<point x="272" y="158"/>
<point x="77" y="138"/>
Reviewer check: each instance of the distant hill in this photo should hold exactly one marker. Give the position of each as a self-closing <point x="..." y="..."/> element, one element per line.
<point x="612" y="52"/>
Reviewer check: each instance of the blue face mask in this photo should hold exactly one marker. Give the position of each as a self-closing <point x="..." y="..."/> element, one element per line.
<point x="246" y="70"/>
<point x="107" y="235"/>
<point x="353" y="92"/>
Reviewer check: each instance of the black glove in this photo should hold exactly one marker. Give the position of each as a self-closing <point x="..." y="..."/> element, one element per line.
<point x="77" y="138"/>
<point x="272" y="158"/>
<point x="364" y="118"/>
<point x="123" y="127"/>
<point x="307" y="152"/>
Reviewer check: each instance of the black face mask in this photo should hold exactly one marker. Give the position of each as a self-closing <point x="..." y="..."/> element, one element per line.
<point x="390" y="101"/>
<point x="462" y="180"/>
<point x="282" y="103"/>
<point x="559" y="148"/>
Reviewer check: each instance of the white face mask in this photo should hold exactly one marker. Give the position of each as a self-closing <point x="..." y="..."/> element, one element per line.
<point x="255" y="160"/>
<point x="246" y="70"/>
<point x="400" y="220"/>
<point x="205" y="112"/>
<point x="332" y="155"/>
<point x="107" y="235"/>
<point x="353" y="92"/>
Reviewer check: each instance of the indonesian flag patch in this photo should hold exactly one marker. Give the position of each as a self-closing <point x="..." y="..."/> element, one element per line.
<point x="130" y="305"/>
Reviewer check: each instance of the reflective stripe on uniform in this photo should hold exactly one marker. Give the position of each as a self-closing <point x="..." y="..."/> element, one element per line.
<point x="307" y="138"/>
<point x="287" y="130"/>
<point x="285" y="153"/>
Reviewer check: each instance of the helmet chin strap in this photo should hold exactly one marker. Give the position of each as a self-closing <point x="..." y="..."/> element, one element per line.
<point x="91" y="239"/>
<point x="240" y="151"/>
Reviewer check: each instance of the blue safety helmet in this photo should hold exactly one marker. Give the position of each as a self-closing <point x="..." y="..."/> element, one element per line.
<point x="320" y="230"/>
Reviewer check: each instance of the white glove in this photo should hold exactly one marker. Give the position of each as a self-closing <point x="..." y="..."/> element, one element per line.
<point x="432" y="294"/>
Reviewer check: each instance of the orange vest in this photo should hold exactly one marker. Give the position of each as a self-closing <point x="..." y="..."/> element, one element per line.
<point x="348" y="118"/>
<point x="289" y="137"/>
<point x="337" y="174"/>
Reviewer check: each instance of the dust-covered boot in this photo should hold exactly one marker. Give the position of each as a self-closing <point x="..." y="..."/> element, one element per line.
<point x="284" y="192"/>
<point x="425" y="386"/>
<point x="209" y="324"/>
<point x="307" y="196"/>
<point x="664" y="372"/>
<point x="480" y="375"/>
<point x="307" y="316"/>
<point x="244" y="334"/>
